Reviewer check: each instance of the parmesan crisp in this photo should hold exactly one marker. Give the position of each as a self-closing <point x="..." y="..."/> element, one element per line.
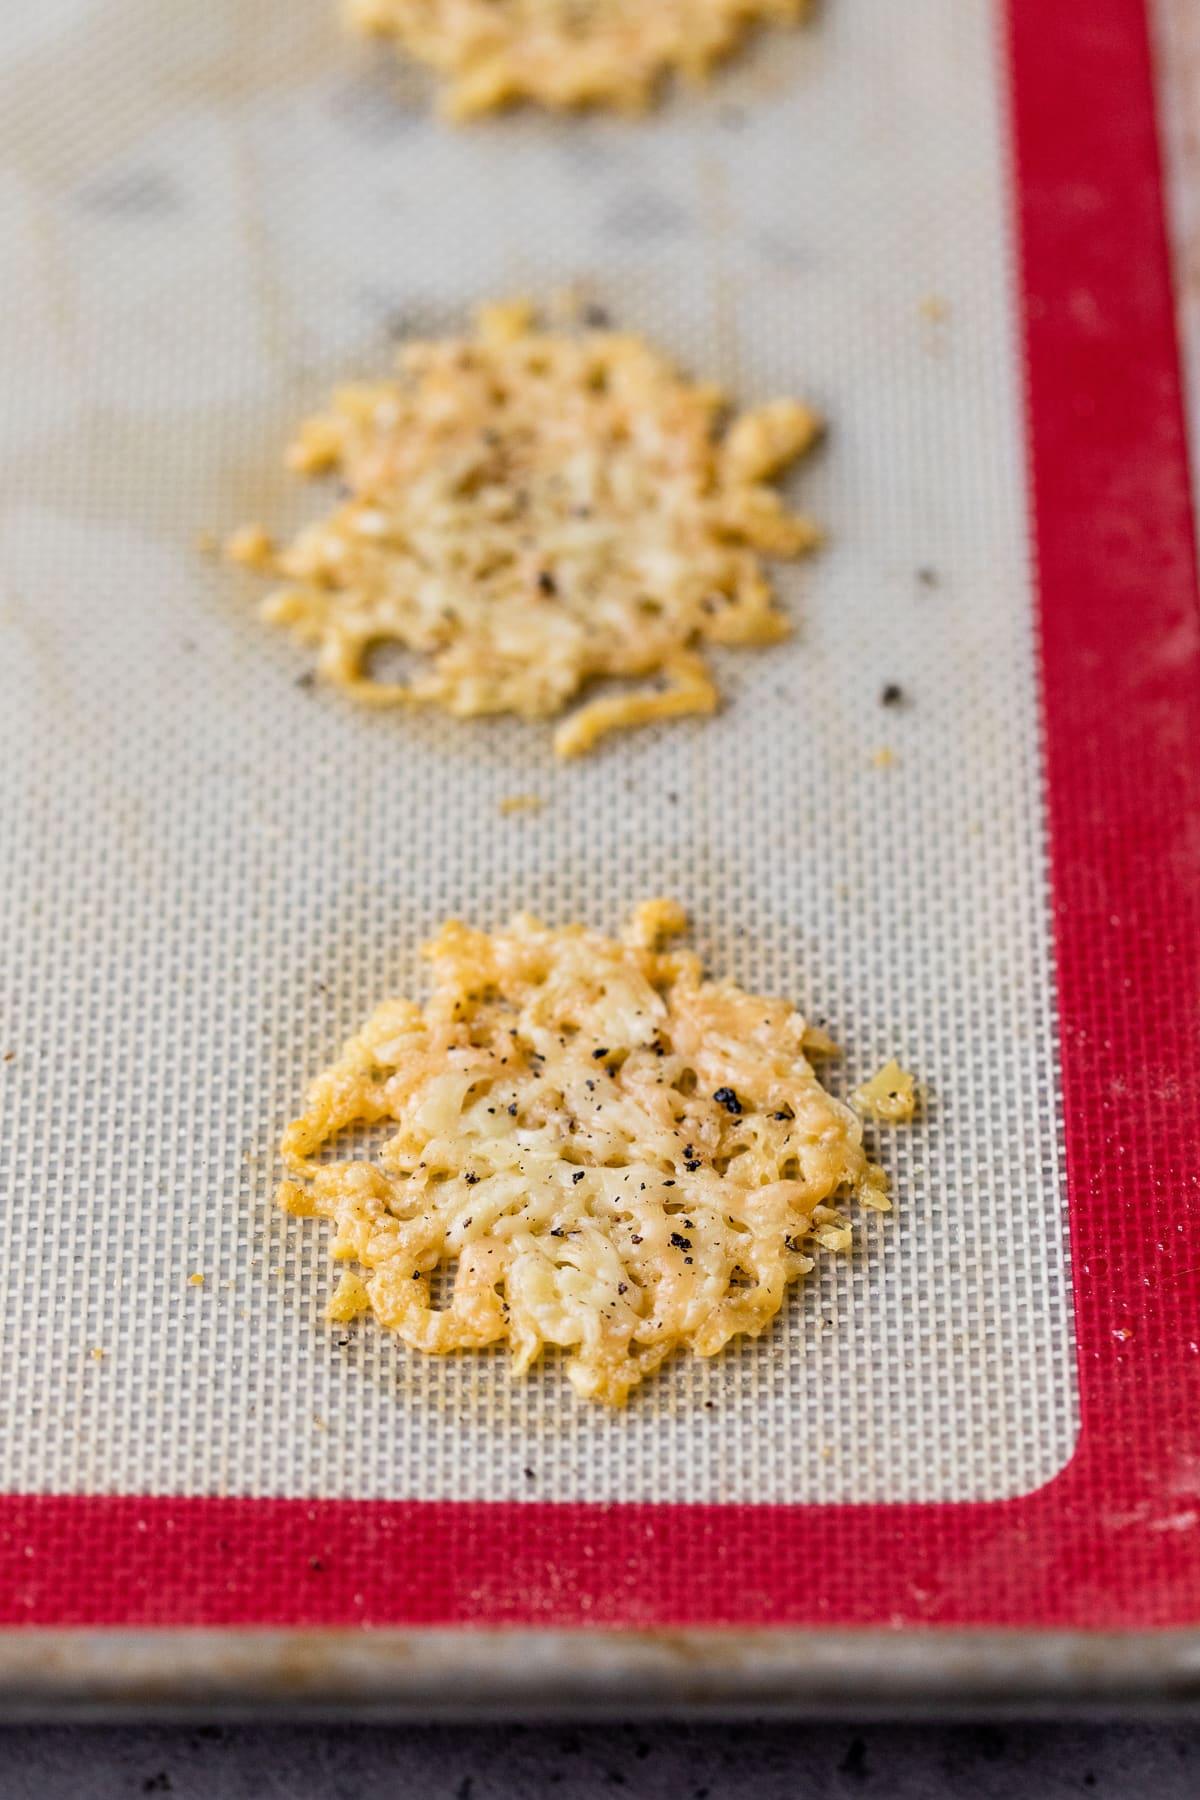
<point x="614" y="1155"/>
<point x="530" y="512"/>
<point x="565" y="53"/>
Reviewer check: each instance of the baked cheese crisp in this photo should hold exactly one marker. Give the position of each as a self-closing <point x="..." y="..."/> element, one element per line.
<point x="565" y="53"/>
<point x="616" y="1156"/>
<point x="530" y="512"/>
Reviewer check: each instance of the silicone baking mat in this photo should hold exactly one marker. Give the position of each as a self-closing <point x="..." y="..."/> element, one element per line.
<point x="942" y="224"/>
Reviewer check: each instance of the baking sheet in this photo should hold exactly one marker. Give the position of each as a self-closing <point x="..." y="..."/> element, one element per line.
<point x="207" y="214"/>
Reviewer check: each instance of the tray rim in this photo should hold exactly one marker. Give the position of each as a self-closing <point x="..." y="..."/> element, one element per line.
<point x="446" y="1674"/>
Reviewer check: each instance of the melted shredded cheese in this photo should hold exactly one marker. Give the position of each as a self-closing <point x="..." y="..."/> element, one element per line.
<point x="534" y="511"/>
<point x="616" y="1155"/>
<point x="565" y="53"/>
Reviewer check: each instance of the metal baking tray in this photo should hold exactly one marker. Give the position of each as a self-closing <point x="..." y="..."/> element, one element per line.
<point x="965" y="1467"/>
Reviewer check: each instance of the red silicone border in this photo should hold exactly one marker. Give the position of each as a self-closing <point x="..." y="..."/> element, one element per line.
<point x="1114" y="1541"/>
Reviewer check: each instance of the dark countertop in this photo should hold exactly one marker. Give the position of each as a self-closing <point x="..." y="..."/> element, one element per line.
<point x="743" y="1761"/>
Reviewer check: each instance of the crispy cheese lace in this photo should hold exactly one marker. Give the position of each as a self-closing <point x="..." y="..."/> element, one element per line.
<point x="565" y="53"/>
<point x="615" y="1156"/>
<point x="528" y="512"/>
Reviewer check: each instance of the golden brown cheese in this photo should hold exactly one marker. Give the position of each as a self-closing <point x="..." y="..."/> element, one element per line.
<point x="529" y="512"/>
<point x="565" y="53"/>
<point x="890" y="1095"/>
<point x="616" y="1156"/>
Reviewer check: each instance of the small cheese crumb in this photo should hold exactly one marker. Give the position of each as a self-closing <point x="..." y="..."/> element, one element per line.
<point x="520" y="803"/>
<point x="252" y="546"/>
<point x="883" y="759"/>
<point x="350" y="1298"/>
<point x="196" y="1280"/>
<point x="890" y="1095"/>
